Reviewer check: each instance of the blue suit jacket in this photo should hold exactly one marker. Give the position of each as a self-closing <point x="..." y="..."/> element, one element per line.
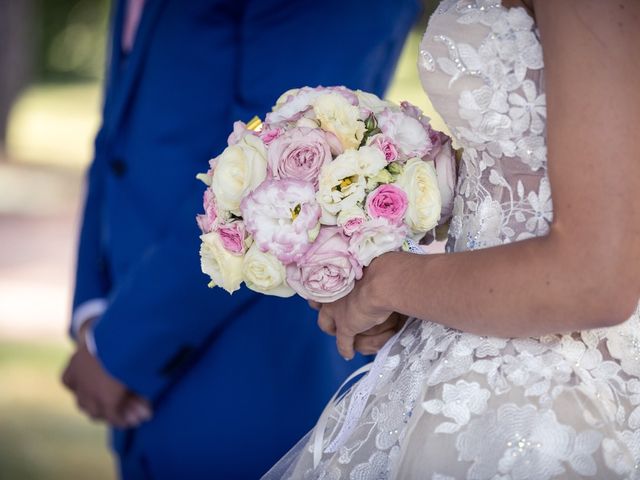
<point x="235" y="380"/>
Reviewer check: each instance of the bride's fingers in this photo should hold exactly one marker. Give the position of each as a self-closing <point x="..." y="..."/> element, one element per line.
<point x="326" y="322"/>
<point x="344" y="341"/>
<point x="371" y="344"/>
<point x="315" y="305"/>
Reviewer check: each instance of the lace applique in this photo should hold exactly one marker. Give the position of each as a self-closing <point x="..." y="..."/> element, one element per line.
<point x="500" y="125"/>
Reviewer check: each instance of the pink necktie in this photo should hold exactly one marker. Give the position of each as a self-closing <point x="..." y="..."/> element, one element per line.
<point x="131" y="21"/>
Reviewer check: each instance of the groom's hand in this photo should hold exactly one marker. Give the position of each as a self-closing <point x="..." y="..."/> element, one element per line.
<point x="101" y="396"/>
<point x="371" y="341"/>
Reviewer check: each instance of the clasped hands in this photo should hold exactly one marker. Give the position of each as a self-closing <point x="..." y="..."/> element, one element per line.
<point x="360" y="321"/>
<point x="98" y="394"/>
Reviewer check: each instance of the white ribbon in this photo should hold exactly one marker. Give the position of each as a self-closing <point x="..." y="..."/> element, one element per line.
<point x="359" y="399"/>
<point x="362" y="391"/>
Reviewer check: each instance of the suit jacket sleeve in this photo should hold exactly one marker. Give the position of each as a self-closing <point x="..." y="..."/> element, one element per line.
<point x="162" y="313"/>
<point x="92" y="275"/>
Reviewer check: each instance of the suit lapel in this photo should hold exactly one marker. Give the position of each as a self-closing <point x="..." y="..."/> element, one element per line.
<point x="124" y="72"/>
<point x="115" y="52"/>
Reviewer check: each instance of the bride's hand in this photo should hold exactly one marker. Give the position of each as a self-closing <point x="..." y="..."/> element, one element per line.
<point x="360" y="312"/>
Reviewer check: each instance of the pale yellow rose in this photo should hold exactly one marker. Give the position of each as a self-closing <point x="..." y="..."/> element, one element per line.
<point x="239" y="169"/>
<point x="420" y="183"/>
<point x="264" y="273"/>
<point x="282" y="99"/>
<point x="204" y="178"/>
<point x="373" y="103"/>
<point x="339" y="117"/>
<point x="223" y="267"/>
<point x="307" y="123"/>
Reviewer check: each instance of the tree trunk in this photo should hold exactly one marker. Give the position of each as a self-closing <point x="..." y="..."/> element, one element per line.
<point x="16" y="56"/>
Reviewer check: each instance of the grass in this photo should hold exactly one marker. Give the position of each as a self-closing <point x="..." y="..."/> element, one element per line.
<point x="42" y="435"/>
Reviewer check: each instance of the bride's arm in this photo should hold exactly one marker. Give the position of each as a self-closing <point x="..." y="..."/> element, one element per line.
<point x="586" y="272"/>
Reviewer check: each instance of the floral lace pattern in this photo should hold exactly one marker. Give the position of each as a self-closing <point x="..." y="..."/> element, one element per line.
<point x="449" y="404"/>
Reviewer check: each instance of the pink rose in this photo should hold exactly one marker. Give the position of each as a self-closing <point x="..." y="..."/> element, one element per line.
<point x="351" y="225"/>
<point x="445" y="163"/>
<point x="283" y="217"/>
<point x="299" y="153"/>
<point x="438" y="139"/>
<point x="232" y="236"/>
<point x="208" y="221"/>
<point x="374" y="238"/>
<point x="326" y="272"/>
<point x="387" y="201"/>
<point x="268" y="136"/>
<point x="386" y="146"/>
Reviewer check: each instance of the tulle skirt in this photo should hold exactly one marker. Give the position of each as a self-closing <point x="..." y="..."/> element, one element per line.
<point x="441" y="404"/>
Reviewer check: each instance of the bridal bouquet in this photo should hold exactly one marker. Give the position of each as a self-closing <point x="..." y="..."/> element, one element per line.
<point x="332" y="179"/>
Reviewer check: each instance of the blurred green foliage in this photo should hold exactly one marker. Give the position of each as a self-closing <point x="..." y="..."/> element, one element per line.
<point x="71" y="41"/>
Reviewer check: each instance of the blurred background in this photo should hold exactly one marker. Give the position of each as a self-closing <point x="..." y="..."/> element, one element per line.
<point x="51" y="65"/>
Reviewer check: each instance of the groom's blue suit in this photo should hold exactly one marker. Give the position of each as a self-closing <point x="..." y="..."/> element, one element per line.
<point x="235" y="380"/>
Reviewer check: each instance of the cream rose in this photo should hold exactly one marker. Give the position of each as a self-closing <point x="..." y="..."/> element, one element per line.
<point x="420" y="183"/>
<point x="264" y="273"/>
<point x="341" y="185"/>
<point x="238" y="170"/>
<point x="223" y="267"/>
<point x="338" y="116"/>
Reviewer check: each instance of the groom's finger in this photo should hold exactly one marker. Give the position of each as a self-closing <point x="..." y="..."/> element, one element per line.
<point x="344" y="341"/>
<point x="388" y="325"/>
<point x="68" y="380"/>
<point x="371" y="344"/>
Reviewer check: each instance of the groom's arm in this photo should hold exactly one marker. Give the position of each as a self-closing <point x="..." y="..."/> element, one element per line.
<point x="92" y="275"/>
<point x="163" y="313"/>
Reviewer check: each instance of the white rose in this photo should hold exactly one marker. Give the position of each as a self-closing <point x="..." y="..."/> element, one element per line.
<point x="341" y="185"/>
<point x="223" y="267"/>
<point x="370" y="160"/>
<point x="420" y="183"/>
<point x="407" y="133"/>
<point x="338" y="116"/>
<point x="373" y="103"/>
<point x="264" y="273"/>
<point x="239" y="170"/>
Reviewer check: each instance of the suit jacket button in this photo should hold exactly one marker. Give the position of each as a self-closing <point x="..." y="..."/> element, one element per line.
<point x="118" y="167"/>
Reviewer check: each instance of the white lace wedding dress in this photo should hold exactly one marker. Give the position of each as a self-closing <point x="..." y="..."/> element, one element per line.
<point x="447" y="404"/>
